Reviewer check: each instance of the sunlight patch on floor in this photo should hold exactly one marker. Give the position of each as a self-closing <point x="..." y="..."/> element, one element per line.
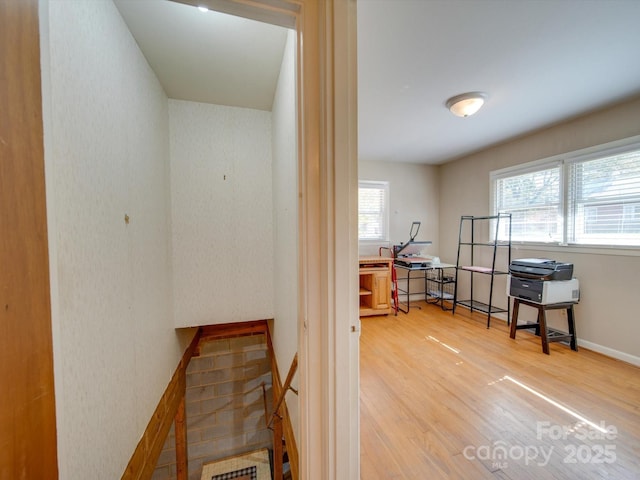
<point x="552" y="402"/>
<point x="434" y="339"/>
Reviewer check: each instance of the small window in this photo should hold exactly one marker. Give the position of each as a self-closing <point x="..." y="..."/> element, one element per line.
<point x="591" y="197"/>
<point x="373" y="211"/>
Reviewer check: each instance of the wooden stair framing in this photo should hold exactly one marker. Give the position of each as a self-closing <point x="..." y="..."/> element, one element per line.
<point x="171" y="409"/>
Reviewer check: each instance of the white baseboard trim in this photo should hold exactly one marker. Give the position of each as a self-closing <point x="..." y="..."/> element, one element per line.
<point x="609" y="352"/>
<point x="415" y="297"/>
<point x="418" y="297"/>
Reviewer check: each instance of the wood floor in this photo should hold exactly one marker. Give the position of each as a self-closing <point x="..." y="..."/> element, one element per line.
<point x="442" y="397"/>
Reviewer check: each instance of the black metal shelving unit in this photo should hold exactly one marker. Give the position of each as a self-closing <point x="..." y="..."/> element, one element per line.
<point x="470" y="230"/>
<point x="439" y="285"/>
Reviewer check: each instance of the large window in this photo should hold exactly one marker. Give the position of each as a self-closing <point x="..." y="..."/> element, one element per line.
<point x="586" y="198"/>
<point x="373" y="211"/>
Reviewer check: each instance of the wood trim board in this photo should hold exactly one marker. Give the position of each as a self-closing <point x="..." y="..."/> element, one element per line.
<point x="28" y="440"/>
<point x="285" y="425"/>
<point x="145" y="457"/>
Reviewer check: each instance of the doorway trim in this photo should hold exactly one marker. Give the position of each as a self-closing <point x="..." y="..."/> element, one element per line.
<point x="27" y="410"/>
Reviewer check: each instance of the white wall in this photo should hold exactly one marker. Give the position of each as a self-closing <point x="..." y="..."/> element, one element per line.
<point x="285" y="221"/>
<point x="221" y="213"/>
<point x="107" y="157"/>
<point x="414" y="194"/>
<point x="605" y="318"/>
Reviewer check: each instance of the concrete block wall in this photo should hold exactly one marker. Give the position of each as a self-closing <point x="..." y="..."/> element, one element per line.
<point x="224" y="404"/>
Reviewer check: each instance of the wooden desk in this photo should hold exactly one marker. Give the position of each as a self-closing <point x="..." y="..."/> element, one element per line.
<point x="375" y="286"/>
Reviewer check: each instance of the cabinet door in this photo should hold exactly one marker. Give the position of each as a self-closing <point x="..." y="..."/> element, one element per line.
<point x="382" y="290"/>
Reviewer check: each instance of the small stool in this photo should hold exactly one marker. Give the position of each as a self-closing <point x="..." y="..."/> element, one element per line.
<point x="546" y="334"/>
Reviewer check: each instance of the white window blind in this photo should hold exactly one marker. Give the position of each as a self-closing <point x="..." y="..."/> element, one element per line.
<point x="604" y="200"/>
<point x="590" y="197"/>
<point x="373" y="211"/>
<point x="534" y="200"/>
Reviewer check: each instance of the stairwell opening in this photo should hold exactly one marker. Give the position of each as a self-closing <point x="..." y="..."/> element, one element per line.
<point x="228" y="401"/>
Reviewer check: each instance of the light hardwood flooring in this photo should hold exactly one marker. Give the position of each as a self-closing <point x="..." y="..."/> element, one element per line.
<point x="443" y="397"/>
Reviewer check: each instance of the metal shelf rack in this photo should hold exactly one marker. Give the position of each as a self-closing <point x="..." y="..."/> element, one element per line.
<point x="471" y="229"/>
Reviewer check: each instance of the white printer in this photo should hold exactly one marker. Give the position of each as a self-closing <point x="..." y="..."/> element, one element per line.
<point x="542" y="281"/>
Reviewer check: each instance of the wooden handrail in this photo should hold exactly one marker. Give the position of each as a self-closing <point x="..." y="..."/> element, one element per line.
<point x="285" y="387"/>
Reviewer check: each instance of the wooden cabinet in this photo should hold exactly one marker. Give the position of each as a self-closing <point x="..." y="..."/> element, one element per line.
<point x="375" y="286"/>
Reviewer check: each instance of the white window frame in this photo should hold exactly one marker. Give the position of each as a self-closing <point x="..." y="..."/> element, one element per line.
<point x="383" y="185"/>
<point x="529" y="168"/>
<point x="565" y="162"/>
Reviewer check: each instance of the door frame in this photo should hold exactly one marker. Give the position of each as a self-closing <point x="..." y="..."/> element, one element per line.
<point x="329" y="326"/>
<point x="28" y="438"/>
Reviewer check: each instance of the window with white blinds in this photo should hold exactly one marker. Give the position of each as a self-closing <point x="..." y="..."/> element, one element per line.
<point x="590" y="198"/>
<point x="604" y="200"/>
<point x="534" y="199"/>
<point x="373" y="211"/>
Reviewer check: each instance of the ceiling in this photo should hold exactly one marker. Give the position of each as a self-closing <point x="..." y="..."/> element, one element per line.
<point x="207" y="56"/>
<point x="540" y="62"/>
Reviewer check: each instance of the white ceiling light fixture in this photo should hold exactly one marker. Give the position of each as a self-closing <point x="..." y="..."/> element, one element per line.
<point x="466" y="104"/>
<point x="203" y="9"/>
